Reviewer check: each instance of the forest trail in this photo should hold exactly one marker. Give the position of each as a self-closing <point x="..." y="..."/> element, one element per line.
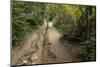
<point x="33" y="50"/>
<point x="58" y="51"/>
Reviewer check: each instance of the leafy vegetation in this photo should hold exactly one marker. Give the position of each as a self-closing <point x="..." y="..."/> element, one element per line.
<point x="74" y="22"/>
<point x="77" y="22"/>
<point x="26" y="17"/>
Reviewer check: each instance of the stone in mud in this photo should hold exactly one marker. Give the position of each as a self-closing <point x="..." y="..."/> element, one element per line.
<point x="24" y="61"/>
<point x="34" y="57"/>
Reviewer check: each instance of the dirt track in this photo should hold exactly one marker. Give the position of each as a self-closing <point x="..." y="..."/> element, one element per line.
<point x="58" y="51"/>
<point x="33" y="51"/>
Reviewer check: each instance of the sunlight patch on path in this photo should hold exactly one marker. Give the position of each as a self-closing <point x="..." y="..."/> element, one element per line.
<point x="50" y="24"/>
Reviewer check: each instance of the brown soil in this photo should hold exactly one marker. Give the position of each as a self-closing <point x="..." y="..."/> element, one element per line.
<point x="33" y="50"/>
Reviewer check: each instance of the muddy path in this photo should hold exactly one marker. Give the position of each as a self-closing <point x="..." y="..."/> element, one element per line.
<point x="58" y="51"/>
<point x="28" y="51"/>
<point x="34" y="50"/>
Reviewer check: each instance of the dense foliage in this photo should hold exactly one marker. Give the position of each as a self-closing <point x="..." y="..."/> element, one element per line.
<point x="77" y="22"/>
<point x="26" y="17"/>
<point x="74" y="22"/>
